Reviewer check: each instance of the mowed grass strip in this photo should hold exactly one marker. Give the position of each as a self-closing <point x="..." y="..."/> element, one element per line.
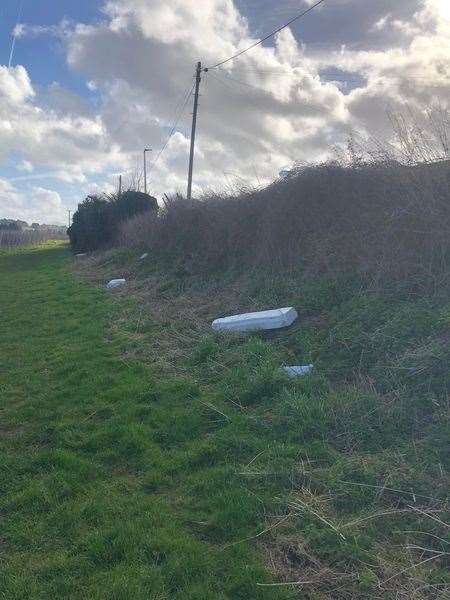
<point x="108" y="480"/>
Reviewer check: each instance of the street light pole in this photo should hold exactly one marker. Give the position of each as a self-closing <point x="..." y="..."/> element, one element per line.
<point x="145" y="167"/>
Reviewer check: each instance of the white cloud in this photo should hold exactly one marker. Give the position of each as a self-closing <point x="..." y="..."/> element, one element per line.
<point x="37" y="204"/>
<point x="15" y="86"/>
<point x="68" y="143"/>
<point x="26" y="166"/>
<point x="48" y="204"/>
<point x="22" y="30"/>
<point x="415" y="75"/>
<point x="243" y="115"/>
<point x="381" y="23"/>
<point x="268" y="108"/>
<point x="254" y="112"/>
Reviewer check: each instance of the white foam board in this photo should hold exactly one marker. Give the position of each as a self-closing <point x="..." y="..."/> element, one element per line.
<point x="265" y="319"/>
<point x="297" y="370"/>
<point x="115" y="283"/>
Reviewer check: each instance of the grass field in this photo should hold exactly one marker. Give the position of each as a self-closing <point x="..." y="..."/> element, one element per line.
<point x="12" y="239"/>
<point x="133" y="466"/>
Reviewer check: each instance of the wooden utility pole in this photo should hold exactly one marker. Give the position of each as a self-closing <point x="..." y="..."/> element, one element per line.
<point x="69" y="211"/>
<point x="198" y="72"/>
<point x="120" y="185"/>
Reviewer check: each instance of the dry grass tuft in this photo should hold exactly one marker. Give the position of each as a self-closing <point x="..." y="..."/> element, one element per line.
<point x="385" y="222"/>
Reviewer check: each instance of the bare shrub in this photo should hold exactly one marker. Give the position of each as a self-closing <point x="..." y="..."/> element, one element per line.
<point x="138" y="230"/>
<point x="379" y="220"/>
<point x="422" y="137"/>
<point x="381" y="213"/>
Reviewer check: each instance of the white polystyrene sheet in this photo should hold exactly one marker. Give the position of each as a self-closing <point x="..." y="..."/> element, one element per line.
<point x="297" y="370"/>
<point x="265" y="319"/>
<point x="115" y="283"/>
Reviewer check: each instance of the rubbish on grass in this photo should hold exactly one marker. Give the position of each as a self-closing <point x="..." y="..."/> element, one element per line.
<point x="143" y="256"/>
<point x="265" y="319"/>
<point x="115" y="283"/>
<point x="297" y="370"/>
<point x="80" y="254"/>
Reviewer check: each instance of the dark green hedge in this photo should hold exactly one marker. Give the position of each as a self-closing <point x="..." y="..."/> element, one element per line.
<point x="95" y="223"/>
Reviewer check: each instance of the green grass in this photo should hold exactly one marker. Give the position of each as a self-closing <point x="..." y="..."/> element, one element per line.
<point x="94" y="457"/>
<point x="122" y="481"/>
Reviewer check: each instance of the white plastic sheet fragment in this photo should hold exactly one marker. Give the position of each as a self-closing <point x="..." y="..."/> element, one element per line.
<point x="143" y="256"/>
<point x="114" y="283"/>
<point x="80" y="254"/>
<point x="266" y="319"/>
<point x="297" y="370"/>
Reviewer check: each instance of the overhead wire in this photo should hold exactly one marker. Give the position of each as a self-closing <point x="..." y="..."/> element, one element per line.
<point x="231" y="80"/>
<point x="353" y="79"/>
<point x="240" y="82"/>
<point x="340" y="77"/>
<point x="178" y="114"/>
<point x="257" y="43"/>
<point x="206" y="69"/>
<point x="220" y="80"/>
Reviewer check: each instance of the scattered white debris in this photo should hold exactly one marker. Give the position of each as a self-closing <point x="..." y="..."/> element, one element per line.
<point x="298" y="370"/>
<point x="143" y="256"/>
<point x="80" y="254"/>
<point x="266" y="319"/>
<point x="115" y="283"/>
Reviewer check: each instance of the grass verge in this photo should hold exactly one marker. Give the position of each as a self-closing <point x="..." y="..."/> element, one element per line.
<point x="343" y="473"/>
<point x="145" y="458"/>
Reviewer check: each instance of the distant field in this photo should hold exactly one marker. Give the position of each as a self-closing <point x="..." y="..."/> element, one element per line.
<point x="145" y="458"/>
<point x="12" y="239"/>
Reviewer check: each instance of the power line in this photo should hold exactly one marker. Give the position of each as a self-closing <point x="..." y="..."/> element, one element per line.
<point x="233" y="79"/>
<point x="228" y="83"/>
<point x="419" y="81"/>
<point x="423" y="82"/>
<point x="244" y="70"/>
<point x="302" y="14"/>
<point x="178" y="114"/>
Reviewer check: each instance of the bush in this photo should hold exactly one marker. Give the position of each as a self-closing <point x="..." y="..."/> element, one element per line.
<point x="96" y="222"/>
<point x="131" y="203"/>
<point x="385" y="222"/>
<point x="91" y="225"/>
<point x="138" y="230"/>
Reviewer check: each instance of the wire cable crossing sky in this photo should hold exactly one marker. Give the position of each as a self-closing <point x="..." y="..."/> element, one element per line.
<point x="178" y="114"/>
<point x="268" y="36"/>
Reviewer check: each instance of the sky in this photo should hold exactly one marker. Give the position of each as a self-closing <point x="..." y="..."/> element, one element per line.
<point x="86" y="85"/>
